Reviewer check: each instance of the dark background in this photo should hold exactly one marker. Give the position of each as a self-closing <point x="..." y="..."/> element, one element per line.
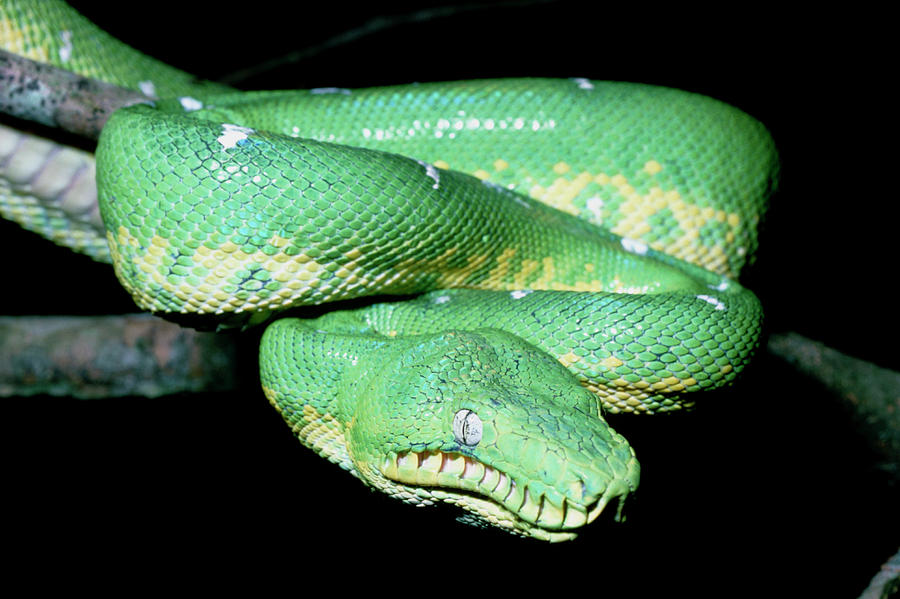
<point x="765" y="489"/>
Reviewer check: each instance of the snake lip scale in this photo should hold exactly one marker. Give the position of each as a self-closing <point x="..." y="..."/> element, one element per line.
<point x="490" y="494"/>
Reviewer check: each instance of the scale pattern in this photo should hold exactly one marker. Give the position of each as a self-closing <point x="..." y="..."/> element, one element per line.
<point x="488" y="391"/>
<point x="637" y="353"/>
<point x="686" y="174"/>
<point x="223" y="218"/>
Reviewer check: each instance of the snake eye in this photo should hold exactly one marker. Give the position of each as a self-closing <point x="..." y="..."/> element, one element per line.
<point x="467" y="427"/>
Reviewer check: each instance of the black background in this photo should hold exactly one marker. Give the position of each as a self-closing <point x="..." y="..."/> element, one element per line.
<point x="764" y="489"/>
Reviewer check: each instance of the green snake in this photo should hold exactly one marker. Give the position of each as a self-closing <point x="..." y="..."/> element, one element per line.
<point x="562" y="248"/>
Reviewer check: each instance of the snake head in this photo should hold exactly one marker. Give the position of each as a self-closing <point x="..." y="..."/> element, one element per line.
<point x="484" y="421"/>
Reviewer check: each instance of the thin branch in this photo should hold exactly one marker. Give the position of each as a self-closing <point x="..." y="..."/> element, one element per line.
<point x="55" y="97"/>
<point x="373" y="26"/>
<point x="886" y="583"/>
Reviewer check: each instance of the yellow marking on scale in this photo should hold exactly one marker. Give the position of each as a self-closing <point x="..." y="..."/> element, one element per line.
<point x="442" y="164"/>
<point x="637" y="209"/>
<point x="353" y="254"/>
<point x="438" y="267"/>
<point x="612" y="362"/>
<point x="549" y="269"/>
<point x="561" y="168"/>
<point x="317" y="430"/>
<point x="618" y="395"/>
<point x="123" y="237"/>
<point x="500" y="165"/>
<point x="537" y="192"/>
<point x="158" y="247"/>
<point x="562" y="192"/>
<point x="216" y="268"/>
<point x="545" y="279"/>
<point x="526" y="269"/>
<point x="568" y="358"/>
<point x="652" y="167"/>
<point x="500" y="273"/>
<point x="617" y="400"/>
<point x="13" y="39"/>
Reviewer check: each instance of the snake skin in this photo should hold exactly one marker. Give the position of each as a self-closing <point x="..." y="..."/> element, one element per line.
<point x="481" y="198"/>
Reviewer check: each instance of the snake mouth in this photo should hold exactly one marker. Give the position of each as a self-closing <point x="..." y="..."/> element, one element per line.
<point x="491" y="495"/>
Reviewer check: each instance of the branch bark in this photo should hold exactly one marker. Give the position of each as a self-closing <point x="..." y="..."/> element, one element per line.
<point x="55" y="97"/>
<point x="871" y="394"/>
<point x="886" y="583"/>
<point x="111" y="356"/>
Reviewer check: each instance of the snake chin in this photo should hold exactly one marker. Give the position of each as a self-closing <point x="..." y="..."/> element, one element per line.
<point x="489" y="495"/>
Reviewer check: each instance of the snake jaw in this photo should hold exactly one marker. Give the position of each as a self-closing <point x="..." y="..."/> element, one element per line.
<point x="490" y="495"/>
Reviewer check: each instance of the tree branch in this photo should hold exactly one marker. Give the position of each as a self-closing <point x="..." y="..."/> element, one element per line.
<point x="870" y="393"/>
<point x="55" y="97"/>
<point x="886" y="583"/>
<point x="376" y="25"/>
<point x="92" y="357"/>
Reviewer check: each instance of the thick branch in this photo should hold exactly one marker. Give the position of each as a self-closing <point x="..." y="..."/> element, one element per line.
<point x="111" y="356"/>
<point x="871" y="393"/>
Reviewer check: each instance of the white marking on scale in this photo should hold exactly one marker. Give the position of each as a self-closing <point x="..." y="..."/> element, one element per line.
<point x="507" y="190"/>
<point x="65" y="51"/>
<point x="634" y="246"/>
<point x="232" y="134"/>
<point x="595" y="205"/>
<point x="519" y="293"/>
<point x="719" y="304"/>
<point x="432" y="172"/>
<point x="330" y="90"/>
<point x="442" y="299"/>
<point x="147" y="88"/>
<point x="722" y="286"/>
<point x="583" y="83"/>
<point x="190" y="104"/>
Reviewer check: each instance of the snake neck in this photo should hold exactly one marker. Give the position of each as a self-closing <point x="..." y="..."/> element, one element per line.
<point x="315" y="402"/>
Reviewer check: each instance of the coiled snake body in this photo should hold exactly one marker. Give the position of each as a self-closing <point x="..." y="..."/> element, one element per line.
<point x="481" y="200"/>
